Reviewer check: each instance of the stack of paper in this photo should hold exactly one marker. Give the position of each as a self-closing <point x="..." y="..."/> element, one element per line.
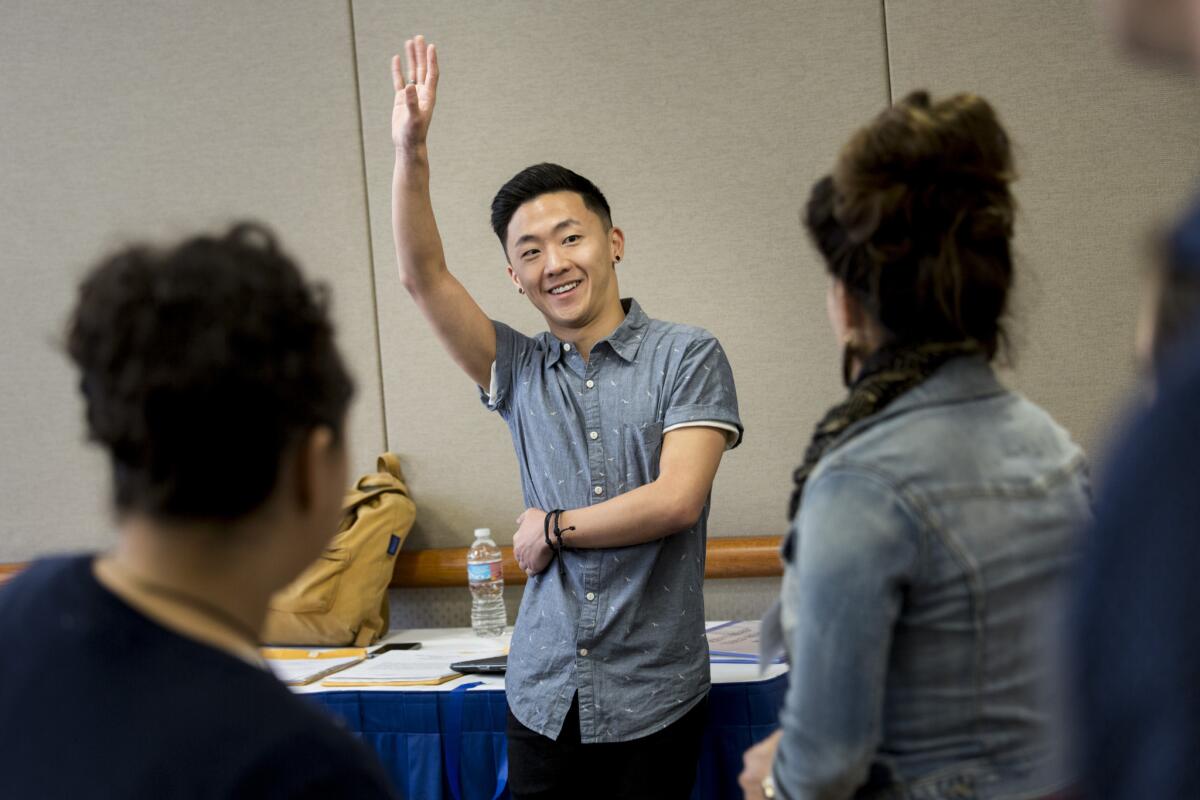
<point x="735" y="642"/>
<point x="396" y="668"/>
<point x="297" y="667"/>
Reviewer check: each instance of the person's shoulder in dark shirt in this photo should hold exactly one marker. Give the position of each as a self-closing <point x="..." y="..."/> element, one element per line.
<point x="1137" y="658"/>
<point x="100" y="701"/>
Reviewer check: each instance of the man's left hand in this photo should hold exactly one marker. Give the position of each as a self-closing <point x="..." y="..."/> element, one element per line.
<point x="529" y="542"/>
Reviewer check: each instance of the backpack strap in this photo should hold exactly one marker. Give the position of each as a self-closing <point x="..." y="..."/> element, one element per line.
<point x="388" y="477"/>
<point x="356" y="498"/>
<point x="390" y="463"/>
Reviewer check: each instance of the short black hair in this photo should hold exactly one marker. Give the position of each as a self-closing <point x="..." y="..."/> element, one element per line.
<point x="536" y="181"/>
<point x="200" y="365"/>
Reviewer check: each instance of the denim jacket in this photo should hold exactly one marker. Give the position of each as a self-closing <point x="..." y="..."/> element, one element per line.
<point x="931" y="541"/>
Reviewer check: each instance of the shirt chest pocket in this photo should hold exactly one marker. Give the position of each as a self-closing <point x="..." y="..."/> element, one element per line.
<point x="640" y="448"/>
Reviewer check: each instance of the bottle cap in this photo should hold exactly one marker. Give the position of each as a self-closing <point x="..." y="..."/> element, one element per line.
<point x="483" y="533"/>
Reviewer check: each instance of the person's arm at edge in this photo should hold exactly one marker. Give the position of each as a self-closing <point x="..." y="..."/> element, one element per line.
<point x="861" y="545"/>
<point x="457" y="320"/>
<point x="669" y="504"/>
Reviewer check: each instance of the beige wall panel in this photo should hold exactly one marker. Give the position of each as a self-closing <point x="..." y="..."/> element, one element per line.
<point x="1106" y="150"/>
<point x="131" y="119"/>
<point x="704" y="123"/>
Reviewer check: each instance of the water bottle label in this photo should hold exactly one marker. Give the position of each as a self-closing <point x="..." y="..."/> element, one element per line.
<point x="484" y="573"/>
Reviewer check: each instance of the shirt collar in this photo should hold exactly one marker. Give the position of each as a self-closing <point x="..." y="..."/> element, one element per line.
<point x="627" y="338"/>
<point x="959" y="380"/>
<point x="624" y="341"/>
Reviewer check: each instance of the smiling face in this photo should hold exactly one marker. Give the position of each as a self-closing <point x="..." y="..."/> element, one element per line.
<point x="562" y="255"/>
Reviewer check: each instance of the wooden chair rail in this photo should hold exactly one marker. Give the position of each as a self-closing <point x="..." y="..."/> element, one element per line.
<point x="9" y="570"/>
<point x="743" y="557"/>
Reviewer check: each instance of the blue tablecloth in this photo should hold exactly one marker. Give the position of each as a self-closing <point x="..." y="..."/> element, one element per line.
<point x="409" y="731"/>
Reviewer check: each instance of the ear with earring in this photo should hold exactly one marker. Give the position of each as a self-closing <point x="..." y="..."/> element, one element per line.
<point x="852" y="351"/>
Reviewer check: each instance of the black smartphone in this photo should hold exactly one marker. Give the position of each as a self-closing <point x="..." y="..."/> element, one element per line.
<point x="384" y="648"/>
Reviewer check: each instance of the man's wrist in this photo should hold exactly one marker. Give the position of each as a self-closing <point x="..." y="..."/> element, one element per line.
<point x="546" y="530"/>
<point x="561" y="528"/>
<point x="412" y="152"/>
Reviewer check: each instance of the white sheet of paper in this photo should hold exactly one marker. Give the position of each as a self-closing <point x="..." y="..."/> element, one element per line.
<point x="302" y="669"/>
<point x="397" y="665"/>
<point x="738" y="637"/>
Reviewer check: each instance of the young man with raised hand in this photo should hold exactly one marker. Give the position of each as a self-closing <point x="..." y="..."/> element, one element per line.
<point x="619" y="422"/>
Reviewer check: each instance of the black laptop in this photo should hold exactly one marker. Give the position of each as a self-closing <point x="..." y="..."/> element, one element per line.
<point x="492" y="665"/>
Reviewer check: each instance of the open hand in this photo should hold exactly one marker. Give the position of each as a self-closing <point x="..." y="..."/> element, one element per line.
<point x="529" y="542"/>
<point x="415" y="95"/>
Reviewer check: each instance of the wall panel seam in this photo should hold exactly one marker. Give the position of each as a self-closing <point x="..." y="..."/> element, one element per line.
<point x="887" y="51"/>
<point x="362" y="157"/>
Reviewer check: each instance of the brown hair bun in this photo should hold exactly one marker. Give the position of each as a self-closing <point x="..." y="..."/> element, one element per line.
<point x="922" y="194"/>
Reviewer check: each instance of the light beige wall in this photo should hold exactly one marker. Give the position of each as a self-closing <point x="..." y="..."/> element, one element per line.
<point x="132" y="119"/>
<point x="705" y="123"/>
<point x="1105" y="150"/>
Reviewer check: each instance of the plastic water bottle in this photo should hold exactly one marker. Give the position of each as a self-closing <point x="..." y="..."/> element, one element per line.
<point x="485" y="574"/>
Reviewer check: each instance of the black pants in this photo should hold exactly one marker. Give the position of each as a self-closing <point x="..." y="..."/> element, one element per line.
<point x="660" y="766"/>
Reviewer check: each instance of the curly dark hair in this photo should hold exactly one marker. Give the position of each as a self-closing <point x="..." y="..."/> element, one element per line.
<point x="917" y="220"/>
<point x="200" y="365"/>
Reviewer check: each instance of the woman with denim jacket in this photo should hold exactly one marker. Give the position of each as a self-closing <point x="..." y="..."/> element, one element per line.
<point x="932" y="517"/>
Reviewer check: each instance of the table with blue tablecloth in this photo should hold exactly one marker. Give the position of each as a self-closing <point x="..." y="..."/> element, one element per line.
<point x="447" y="741"/>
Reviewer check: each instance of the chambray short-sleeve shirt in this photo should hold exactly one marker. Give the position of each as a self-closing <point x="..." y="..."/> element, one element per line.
<point x="625" y="630"/>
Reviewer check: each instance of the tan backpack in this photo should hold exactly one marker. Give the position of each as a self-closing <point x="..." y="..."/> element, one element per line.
<point x="341" y="599"/>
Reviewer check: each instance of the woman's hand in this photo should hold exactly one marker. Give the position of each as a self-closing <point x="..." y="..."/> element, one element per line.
<point x="757" y="763"/>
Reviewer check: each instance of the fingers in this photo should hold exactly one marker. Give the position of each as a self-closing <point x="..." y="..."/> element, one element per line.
<point x="419" y="48"/>
<point x="410" y="99"/>
<point x="519" y="554"/>
<point x="410" y="52"/>
<point x="750" y="783"/>
<point x="422" y="65"/>
<point x="397" y="73"/>
<point x="432" y="77"/>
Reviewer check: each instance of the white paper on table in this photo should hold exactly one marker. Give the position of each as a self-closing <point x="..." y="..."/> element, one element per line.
<point x="396" y="666"/>
<point x="298" y="671"/>
<point x="738" y="638"/>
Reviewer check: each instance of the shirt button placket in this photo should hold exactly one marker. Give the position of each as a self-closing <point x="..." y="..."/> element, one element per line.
<point x="585" y="661"/>
<point x="593" y="426"/>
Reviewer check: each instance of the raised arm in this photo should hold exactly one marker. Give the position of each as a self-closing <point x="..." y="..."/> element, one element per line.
<point x="460" y="324"/>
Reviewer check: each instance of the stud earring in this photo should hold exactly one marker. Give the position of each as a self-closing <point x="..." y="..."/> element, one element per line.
<point x="520" y="290"/>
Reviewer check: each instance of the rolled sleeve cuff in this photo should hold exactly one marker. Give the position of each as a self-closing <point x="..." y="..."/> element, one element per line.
<point x="486" y="395"/>
<point x="496" y="393"/>
<point x="709" y="416"/>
